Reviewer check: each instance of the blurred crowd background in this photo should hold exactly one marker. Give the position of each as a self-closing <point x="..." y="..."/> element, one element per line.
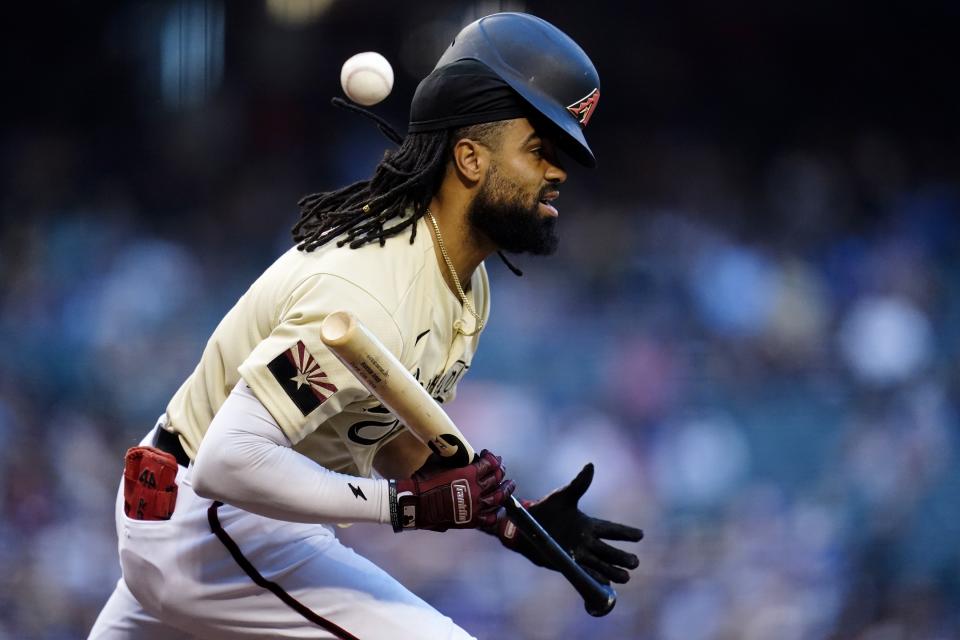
<point x="752" y="326"/>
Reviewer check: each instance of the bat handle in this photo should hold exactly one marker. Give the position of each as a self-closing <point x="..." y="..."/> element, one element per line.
<point x="598" y="599"/>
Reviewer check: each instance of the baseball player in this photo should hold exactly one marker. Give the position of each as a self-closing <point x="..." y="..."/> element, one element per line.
<point x="225" y="510"/>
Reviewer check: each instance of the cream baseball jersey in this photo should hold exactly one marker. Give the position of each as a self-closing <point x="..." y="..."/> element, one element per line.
<point x="271" y="338"/>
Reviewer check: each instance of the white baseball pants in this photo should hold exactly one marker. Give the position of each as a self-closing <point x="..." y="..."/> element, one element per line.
<point x="181" y="581"/>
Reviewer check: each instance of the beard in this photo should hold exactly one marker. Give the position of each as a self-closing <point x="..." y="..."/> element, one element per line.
<point x="511" y="218"/>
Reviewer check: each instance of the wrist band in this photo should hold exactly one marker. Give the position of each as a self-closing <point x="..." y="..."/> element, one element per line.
<point x="392" y="497"/>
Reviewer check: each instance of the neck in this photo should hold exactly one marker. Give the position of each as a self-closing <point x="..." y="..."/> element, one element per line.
<point x="466" y="251"/>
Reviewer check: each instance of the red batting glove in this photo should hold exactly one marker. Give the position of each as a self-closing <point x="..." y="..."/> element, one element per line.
<point x="441" y="499"/>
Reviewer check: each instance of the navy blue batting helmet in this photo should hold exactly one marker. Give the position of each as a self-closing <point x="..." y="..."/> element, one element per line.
<point x="538" y="61"/>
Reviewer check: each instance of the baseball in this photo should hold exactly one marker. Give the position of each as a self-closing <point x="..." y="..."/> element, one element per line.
<point x="366" y="78"/>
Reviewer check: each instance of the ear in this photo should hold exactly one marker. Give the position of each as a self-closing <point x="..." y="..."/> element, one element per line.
<point x="471" y="159"/>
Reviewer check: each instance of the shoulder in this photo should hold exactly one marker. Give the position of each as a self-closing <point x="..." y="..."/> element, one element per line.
<point x="372" y="280"/>
<point x="387" y="273"/>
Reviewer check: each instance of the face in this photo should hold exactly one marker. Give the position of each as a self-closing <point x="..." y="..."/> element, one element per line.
<point x="513" y="207"/>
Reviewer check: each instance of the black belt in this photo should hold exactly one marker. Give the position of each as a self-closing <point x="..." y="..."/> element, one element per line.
<point x="170" y="442"/>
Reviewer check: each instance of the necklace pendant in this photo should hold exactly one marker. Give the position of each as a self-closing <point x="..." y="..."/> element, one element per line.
<point x="458" y="328"/>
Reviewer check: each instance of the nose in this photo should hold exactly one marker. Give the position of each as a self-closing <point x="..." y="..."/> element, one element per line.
<point x="555" y="174"/>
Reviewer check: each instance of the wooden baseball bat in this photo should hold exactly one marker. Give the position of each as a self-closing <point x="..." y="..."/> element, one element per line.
<point x="390" y="382"/>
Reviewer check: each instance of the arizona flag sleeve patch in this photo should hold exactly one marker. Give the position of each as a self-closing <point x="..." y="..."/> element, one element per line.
<point x="298" y="373"/>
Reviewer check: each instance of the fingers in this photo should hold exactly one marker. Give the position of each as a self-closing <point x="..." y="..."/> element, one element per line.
<point x="579" y="485"/>
<point x="493" y="499"/>
<point x="490" y="502"/>
<point x="615" y="531"/>
<point x="489" y="476"/>
<point x="596" y="576"/>
<point x="490" y="464"/>
<point x="493" y="485"/>
<point x="611" y="555"/>
<point x="488" y="481"/>
<point x="588" y="560"/>
<point x="490" y="521"/>
<point x="485" y="462"/>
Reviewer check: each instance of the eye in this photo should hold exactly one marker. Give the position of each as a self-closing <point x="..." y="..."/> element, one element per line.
<point x="537" y="151"/>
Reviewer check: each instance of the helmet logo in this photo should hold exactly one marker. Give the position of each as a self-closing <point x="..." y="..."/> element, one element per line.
<point x="583" y="108"/>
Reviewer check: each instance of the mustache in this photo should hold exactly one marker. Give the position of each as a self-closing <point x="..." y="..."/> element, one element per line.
<point x="548" y="189"/>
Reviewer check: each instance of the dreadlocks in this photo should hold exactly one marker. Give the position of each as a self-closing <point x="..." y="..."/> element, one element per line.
<point x="401" y="188"/>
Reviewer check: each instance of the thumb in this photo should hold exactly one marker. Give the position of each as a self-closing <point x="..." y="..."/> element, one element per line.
<point x="578" y="486"/>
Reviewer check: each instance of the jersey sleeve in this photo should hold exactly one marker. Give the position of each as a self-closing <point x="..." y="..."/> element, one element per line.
<point x="300" y="381"/>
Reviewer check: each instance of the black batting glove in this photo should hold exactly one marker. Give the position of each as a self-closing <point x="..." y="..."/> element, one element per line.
<point x="579" y="534"/>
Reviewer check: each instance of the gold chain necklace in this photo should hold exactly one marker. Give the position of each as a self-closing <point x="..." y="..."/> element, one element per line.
<point x="458" y="325"/>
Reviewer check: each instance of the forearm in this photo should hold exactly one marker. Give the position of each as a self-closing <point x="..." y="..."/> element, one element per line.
<point x="246" y="460"/>
<point x="401" y="457"/>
